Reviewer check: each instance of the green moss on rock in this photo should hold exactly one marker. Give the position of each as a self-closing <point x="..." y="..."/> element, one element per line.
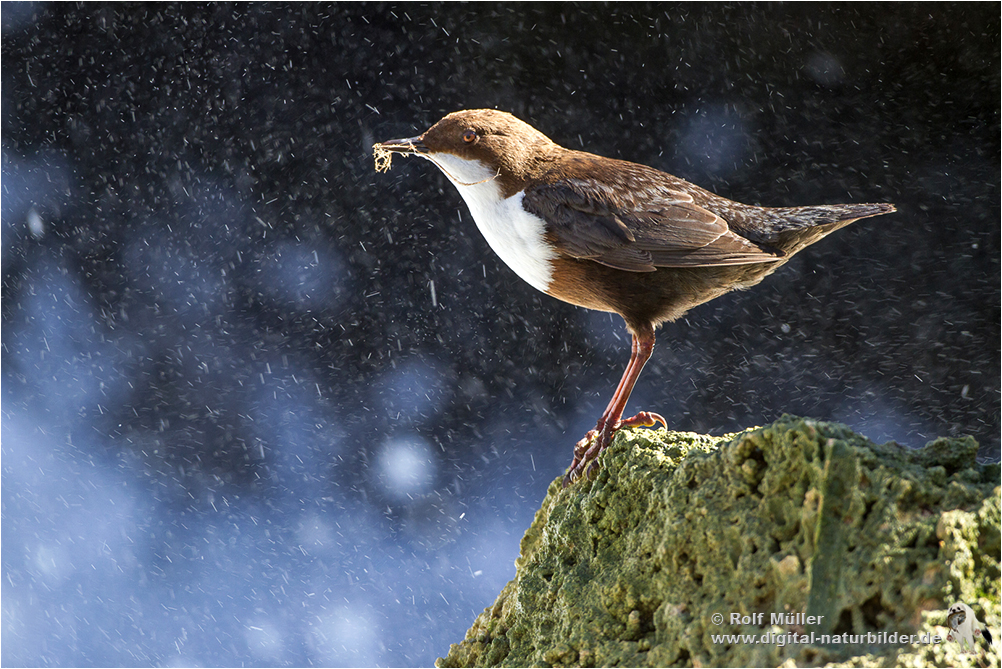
<point x="799" y="516"/>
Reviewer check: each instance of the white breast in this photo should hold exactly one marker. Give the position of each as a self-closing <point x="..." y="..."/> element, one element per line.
<point x="512" y="232"/>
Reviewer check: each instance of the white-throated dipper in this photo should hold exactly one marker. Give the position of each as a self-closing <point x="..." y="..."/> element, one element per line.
<point x="611" y="235"/>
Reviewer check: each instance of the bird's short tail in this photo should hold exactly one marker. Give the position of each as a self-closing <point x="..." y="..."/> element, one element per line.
<point x="789" y="229"/>
<point x="784" y="219"/>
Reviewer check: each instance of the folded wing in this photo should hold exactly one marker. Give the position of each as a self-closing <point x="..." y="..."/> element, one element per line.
<point x="636" y="227"/>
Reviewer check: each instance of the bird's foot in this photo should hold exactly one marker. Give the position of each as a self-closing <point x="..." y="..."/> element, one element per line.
<point x="586" y="451"/>
<point x="581" y="449"/>
<point x="643" y="419"/>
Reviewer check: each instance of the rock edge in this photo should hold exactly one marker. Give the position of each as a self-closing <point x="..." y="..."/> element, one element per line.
<point x="799" y="516"/>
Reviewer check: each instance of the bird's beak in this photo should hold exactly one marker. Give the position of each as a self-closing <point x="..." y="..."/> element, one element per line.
<point x="409" y="145"/>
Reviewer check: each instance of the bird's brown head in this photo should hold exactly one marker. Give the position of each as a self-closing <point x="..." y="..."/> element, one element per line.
<point x="500" y="143"/>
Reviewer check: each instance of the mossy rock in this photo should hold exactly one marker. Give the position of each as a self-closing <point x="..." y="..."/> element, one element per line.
<point x="798" y="517"/>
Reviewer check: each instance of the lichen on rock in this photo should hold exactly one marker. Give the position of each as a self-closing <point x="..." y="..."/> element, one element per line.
<point x="799" y="517"/>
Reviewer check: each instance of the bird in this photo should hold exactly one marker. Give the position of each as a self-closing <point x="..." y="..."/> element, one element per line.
<point x="610" y="235"/>
<point x="965" y="626"/>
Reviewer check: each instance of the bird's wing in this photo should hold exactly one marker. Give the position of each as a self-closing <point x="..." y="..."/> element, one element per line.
<point x="637" y="228"/>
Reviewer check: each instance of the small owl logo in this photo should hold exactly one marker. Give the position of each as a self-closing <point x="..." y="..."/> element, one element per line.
<point x="965" y="627"/>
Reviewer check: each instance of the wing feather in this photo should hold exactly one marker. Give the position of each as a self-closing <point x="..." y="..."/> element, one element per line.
<point x="637" y="229"/>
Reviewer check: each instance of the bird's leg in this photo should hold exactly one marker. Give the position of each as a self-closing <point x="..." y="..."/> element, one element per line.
<point x="586" y="450"/>
<point x="608" y="416"/>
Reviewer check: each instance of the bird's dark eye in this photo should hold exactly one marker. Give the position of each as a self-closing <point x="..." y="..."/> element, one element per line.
<point x="469" y="136"/>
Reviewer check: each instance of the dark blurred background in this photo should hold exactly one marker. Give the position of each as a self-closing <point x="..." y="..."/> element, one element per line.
<point x="262" y="405"/>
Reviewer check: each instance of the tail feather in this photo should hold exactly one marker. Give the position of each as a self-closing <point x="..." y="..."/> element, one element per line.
<point x="784" y="219"/>
<point x="790" y="229"/>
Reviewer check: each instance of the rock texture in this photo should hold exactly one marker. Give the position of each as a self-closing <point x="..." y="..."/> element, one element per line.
<point x="798" y="517"/>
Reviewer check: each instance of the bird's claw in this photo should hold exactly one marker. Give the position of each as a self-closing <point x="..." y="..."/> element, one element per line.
<point x="580" y="451"/>
<point x="582" y="446"/>
<point x="587" y="450"/>
<point x="643" y="419"/>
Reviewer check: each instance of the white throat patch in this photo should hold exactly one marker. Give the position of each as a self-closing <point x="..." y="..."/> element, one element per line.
<point x="512" y="232"/>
